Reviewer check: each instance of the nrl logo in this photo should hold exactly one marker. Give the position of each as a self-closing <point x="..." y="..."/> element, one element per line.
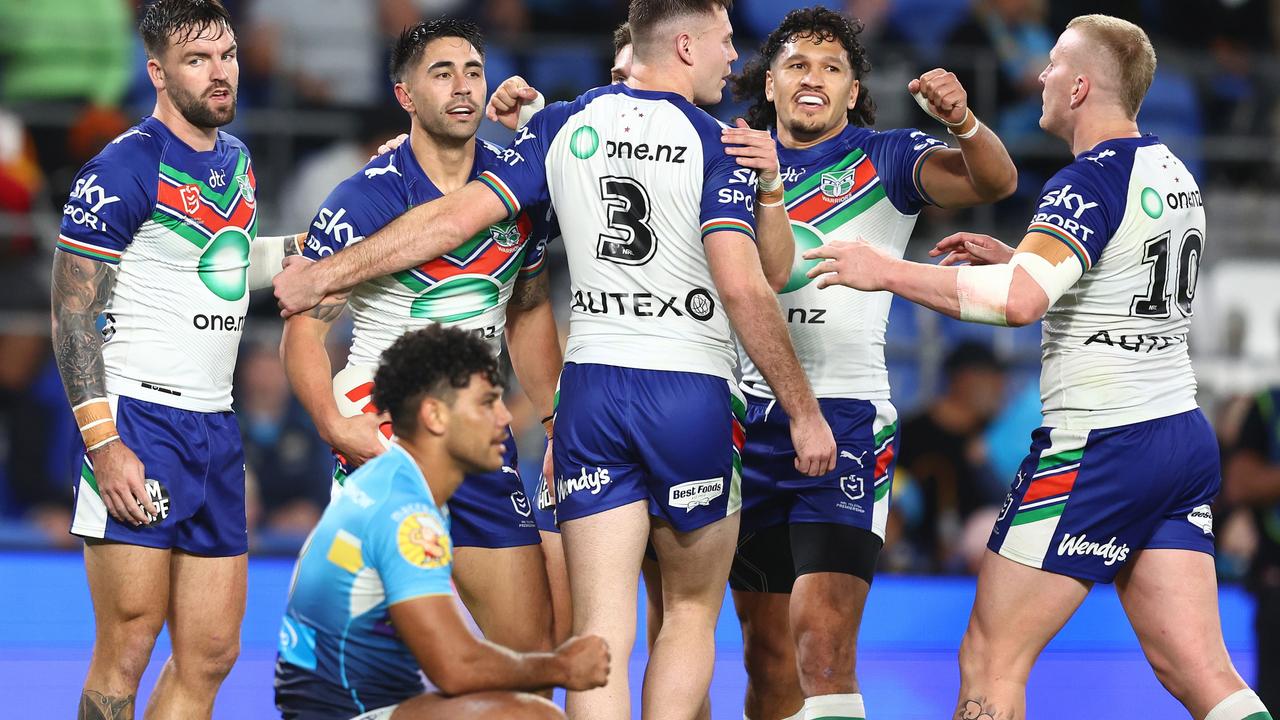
<point x="837" y="183"/>
<point x="246" y="189"/>
<point x="506" y="234"/>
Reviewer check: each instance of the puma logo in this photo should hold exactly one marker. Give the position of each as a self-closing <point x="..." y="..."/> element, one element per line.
<point x="855" y="458"/>
<point x="374" y="172"/>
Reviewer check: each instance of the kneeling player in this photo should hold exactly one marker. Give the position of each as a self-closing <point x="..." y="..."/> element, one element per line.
<point x="372" y="599"/>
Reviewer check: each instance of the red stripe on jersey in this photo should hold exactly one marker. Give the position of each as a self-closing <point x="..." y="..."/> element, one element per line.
<point x="817" y="204"/>
<point x="1050" y="485"/>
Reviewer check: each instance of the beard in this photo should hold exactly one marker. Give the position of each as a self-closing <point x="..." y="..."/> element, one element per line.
<point x="198" y="112"/>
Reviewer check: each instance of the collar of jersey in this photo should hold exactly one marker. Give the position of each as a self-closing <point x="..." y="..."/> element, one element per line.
<point x="810" y="155"/>
<point x="1142" y="141"/>
<point x="151" y="123"/>
<point x="623" y="89"/>
<point x="415" y="174"/>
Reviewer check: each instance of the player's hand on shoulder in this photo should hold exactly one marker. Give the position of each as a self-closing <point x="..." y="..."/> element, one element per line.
<point x="814" y="443"/>
<point x="856" y="264"/>
<point x="973" y="249"/>
<point x="390" y="145"/>
<point x="943" y="96"/>
<point x="751" y="148"/>
<point x="358" y="439"/>
<point x="507" y="101"/>
<point x="586" y="662"/>
<point x="122" y="481"/>
<point x="294" y="290"/>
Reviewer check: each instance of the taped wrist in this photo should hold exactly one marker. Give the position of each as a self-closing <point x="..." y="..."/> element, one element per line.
<point x="529" y="109"/>
<point x="97" y="426"/>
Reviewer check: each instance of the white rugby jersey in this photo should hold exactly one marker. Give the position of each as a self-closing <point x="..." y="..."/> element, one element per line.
<point x="637" y="180"/>
<point x="467" y="288"/>
<point x="178" y="223"/>
<point x="1115" y="345"/>
<point x="860" y="184"/>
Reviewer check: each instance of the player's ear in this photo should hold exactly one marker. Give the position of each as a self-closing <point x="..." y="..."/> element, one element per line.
<point x="684" y="48"/>
<point x="433" y="416"/>
<point x="853" y="93"/>
<point x="768" y="85"/>
<point x="403" y="97"/>
<point x="1079" y="91"/>
<point x="155" y="73"/>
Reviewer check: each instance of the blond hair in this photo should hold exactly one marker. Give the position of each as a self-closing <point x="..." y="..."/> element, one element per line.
<point x="1130" y="50"/>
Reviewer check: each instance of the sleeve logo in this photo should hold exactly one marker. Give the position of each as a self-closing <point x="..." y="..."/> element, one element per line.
<point x="88" y="191"/>
<point x="423" y="542"/>
<point x="1067" y="200"/>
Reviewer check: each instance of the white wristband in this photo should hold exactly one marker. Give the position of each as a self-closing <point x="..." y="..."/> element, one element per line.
<point x="529" y="109"/>
<point x="266" y="258"/>
<point x="763" y="187"/>
<point x="968" y="134"/>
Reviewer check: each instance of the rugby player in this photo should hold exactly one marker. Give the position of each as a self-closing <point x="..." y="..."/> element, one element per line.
<point x="493" y="286"/>
<point x="371" y="601"/>
<point x="1119" y="483"/>
<point x="648" y="421"/>
<point x="159" y="238"/>
<point x="808" y="546"/>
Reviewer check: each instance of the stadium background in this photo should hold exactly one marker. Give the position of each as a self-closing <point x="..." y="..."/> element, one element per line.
<point x="314" y="102"/>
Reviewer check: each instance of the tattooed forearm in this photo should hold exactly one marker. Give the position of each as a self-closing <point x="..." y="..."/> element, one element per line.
<point x="293" y="244"/>
<point x="96" y="706"/>
<point x="531" y="293"/>
<point x="81" y="288"/>
<point x="980" y="709"/>
<point x="329" y="309"/>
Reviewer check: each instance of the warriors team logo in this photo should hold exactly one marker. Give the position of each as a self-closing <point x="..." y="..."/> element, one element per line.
<point x="246" y="190"/>
<point x="423" y="542"/>
<point x="838" y="183"/>
<point x="506" y="235"/>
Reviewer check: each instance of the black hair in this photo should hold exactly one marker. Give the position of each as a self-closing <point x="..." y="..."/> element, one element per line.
<point x="434" y="361"/>
<point x="824" y="26"/>
<point x="413" y="40"/>
<point x="179" y="21"/>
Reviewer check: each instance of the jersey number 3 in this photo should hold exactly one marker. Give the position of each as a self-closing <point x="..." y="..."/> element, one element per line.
<point x="1155" y="303"/>
<point x="628" y="238"/>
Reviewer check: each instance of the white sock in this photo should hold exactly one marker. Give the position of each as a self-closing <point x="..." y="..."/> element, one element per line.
<point x="835" y="707"/>
<point x="1240" y="705"/>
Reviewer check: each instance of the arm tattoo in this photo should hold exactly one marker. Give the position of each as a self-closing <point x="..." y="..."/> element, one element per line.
<point x="531" y="293"/>
<point x="979" y="709"/>
<point x="81" y="288"/>
<point x="292" y="245"/>
<point x="96" y="706"/>
<point x="329" y="309"/>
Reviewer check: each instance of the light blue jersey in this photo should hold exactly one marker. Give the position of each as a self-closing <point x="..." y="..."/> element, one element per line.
<point x="382" y="541"/>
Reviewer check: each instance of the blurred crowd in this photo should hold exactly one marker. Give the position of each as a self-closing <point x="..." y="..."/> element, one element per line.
<point x="314" y="103"/>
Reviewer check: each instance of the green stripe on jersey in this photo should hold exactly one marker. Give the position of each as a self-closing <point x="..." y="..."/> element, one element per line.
<point x="1066" y="457"/>
<point x="816" y="177"/>
<point x="180" y="228"/>
<point x="87" y="475"/>
<point x="739" y="407"/>
<point x="885" y="432"/>
<point x="221" y="199"/>
<point x="1264" y="715"/>
<point x="1040" y="513"/>
<point x="855" y="209"/>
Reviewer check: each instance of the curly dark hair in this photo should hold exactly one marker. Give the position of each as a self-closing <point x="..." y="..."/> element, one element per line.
<point x="434" y="361"/>
<point x="180" y="21"/>
<point x="414" y="39"/>
<point x="816" y="22"/>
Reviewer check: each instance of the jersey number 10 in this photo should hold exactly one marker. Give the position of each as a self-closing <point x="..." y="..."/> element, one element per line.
<point x="1155" y="303"/>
